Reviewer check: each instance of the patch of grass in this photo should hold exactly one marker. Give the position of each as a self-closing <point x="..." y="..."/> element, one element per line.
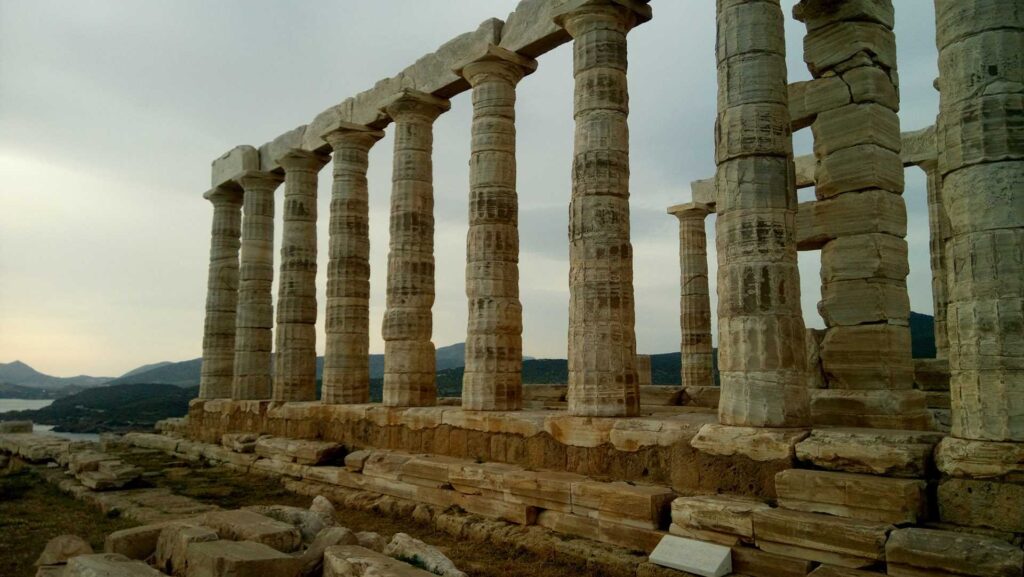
<point x="32" y="512"/>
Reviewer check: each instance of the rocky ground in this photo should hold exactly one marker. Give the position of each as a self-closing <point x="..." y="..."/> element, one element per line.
<point x="33" y="510"/>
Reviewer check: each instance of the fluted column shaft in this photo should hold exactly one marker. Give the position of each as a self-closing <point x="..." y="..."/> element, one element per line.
<point x="760" y="325"/>
<point x="602" y="341"/>
<point x="981" y="159"/>
<point x="694" y="298"/>
<point x="255" y="319"/>
<point x="492" y="379"/>
<point x="346" y="378"/>
<point x="938" y="234"/>
<point x="221" y="294"/>
<point x="409" y="362"/>
<point x="295" y="337"/>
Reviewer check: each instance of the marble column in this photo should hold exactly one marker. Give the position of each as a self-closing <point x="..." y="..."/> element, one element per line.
<point x="938" y="234"/>
<point x="981" y="160"/>
<point x="409" y="362"/>
<point x="346" y="377"/>
<point x="761" y="350"/>
<point x="295" y="335"/>
<point x="255" y="318"/>
<point x="602" y="339"/>
<point x="694" y="298"/>
<point x="221" y="294"/>
<point x="865" y="353"/>
<point x="494" y="345"/>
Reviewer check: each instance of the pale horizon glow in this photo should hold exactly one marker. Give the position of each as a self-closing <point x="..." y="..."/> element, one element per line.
<point x="111" y="112"/>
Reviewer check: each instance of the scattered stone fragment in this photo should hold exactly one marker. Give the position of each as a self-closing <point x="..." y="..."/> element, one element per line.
<point x="59" y="549"/>
<point x="313" y="557"/>
<point x="244" y="525"/>
<point x="172" y="545"/>
<point x="239" y="559"/>
<point x="309" y="523"/>
<point x="373" y="541"/>
<point x="108" y="565"/>
<point x="407" y="548"/>
<point x="356" y="561"/>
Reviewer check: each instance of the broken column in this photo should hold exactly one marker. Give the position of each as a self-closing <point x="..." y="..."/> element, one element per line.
<point x="602" y="340"/>
<point x="346" y="377"/>
<point x="255" y="319"/>
<point x="494" y="345"/>
<point x="221" y="294"/>
<point x="761" y="329"/>
<point x="981" y="160"/>
<point x="409" y="363"/>
<point x="865" y="354"/>
<point x="694" y="299"/>
<point x="295" y="358"/>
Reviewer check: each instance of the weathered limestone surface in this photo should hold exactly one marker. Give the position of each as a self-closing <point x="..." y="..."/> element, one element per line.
<point x="873" y="451"/>
<point x="356" y="561"/>
<point x="694" y="300"/>
<point x="757" y="563"/>
<point x="602" y="341"/>
<point x="943" y="552"/>
<point x="239" y="559"/>
<point x="981" y="87"/>
<point x="272" y="152"/>
<point x="974" y="503"/>
<point x="108" y="565"/>
<point x="346" y="376"/>
<point x="938" y="234"/>
<point x="255" y="317"/>
<point x="295" y="350"/>
<point x="409" y="363"/>
<point x="492" y="380"/>
<point x="813" y="533"/>
<point x="218" y="368"/>
<point x="752" y="442"/>
<point x="61" y="548"/>
<point x="718" y="513"/>
<point x="981" y="459"/>
<point x="233" y="164"/>
<point x="761" y="330"/>
<point x="866" y="497"/>
<point x="244" y="525"/>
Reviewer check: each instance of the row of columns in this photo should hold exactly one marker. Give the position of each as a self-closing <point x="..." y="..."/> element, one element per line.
<point x="602" y="345"/>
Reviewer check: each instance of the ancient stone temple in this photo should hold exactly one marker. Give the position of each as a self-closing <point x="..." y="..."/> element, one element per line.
<point x="828" y="452"/>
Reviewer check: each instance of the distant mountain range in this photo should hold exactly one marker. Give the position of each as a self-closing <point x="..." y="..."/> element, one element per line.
<point x="450" y="360"/>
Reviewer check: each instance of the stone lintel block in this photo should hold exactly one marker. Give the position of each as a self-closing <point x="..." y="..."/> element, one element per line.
<point x="853" y="537"/>
<point x="990" y="504"/>
<point x="647" y="503"/>
<point x="234" y="163"/>
<point x="347" y="560"/>
<point x="932" y="375"/>
<point x="704" y="192"/>
<point x="969" y="459"/>
<point x="719" y="513"/>
<point x="846" y="215"/>
<point x="758" y="563"/>
<point x="242" y="525"/>
<point x="953" y="552"/>
<point x="854" y="125"/>
<point x="271" y="152"/>
<point x="239" y="559"/>
<point x="891" y="453"/>
<point x="108" y="565"/>
<point x="868" y="357"/>
<point x="862" y="167"/>
<point x="819" y="13"/>
<point x="756" y="443"/>
<point x="530" y="30"/>
<point x="691" y="556"/>
<point x="831" y="45"/>
<point x="866" y="497"/>
<point x="809" y="98"/>
<point x="879" y="409"/>
<point x="435" y="73"/>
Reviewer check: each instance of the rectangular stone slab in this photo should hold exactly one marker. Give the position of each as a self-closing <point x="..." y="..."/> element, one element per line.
<point x="353" y="560"/>
<point x="874" y="451"/>
<point x="980" y="503"/>
<point x="108" y="565"/>
<point x="720" y="513"/>
<point x="239" y="559"/>
<point x="234" y="163"/>
<point x="643" y="502"/>
<point x="852" y="537"/>
<point x="248" y="526"/>
<point x="697" y="557"/>
<point x="757" y="563"/>
<point x="867" y="497"/>
<point x="954" y="552"/>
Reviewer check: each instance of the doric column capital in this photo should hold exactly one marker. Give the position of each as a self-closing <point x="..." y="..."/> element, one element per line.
<point x="258" y="180"/>
<point x="496" y="63"/>
<point x="578" y="16"/>
<point x="224" y="196"/>
<point x="412" y="104"/>
<point x="302" y="160"/>
<point x="690" y="210"/>
<point x="347" y="134"/>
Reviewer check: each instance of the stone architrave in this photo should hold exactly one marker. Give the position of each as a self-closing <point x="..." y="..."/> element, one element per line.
<point x="865" y="352"/>
<point x="494" y="345"/>
<point x="602" y="338"/>
<point x="255" y="317"/>
<point x="761" y="329"/>
<point x="295" y="351"/>
<point x="981" y="160"/>
<point x="221" y="294"/>
<point x="409" y="363"/>
<point x="694" y="299"/>
<point x="346" y="378"/>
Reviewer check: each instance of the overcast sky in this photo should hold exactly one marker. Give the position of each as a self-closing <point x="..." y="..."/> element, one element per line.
<point x="111" y="112"/>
